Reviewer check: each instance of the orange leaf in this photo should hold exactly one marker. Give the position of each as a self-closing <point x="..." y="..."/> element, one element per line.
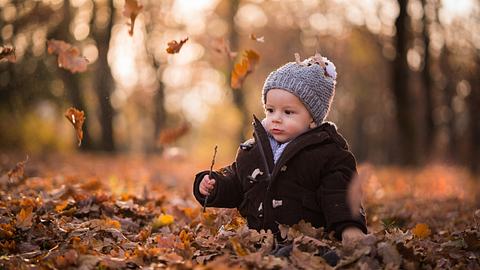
<point x="243" y="68"/>
<point x="6" y="231"/>
<point x="77" y="118"/>
<point x="174" y="46"/>
<point x="131" y="11"/>
<point x="8" y="53"/>
<point x="24" y="218"/>
<point x="169" y="136"/>
<point x="61" y="206"/>
<point x="421" y="230"/>
<point x="69" y="56"/>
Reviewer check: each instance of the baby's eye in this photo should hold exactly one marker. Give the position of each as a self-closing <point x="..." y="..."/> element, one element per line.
<point x="269" y="110"/>
<point x="288" y="112"/>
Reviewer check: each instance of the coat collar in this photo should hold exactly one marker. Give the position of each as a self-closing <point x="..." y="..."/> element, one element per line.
<point x="318" y="135"/>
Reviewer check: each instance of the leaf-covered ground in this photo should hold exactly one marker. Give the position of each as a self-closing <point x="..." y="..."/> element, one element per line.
<point x="105" y="212"/>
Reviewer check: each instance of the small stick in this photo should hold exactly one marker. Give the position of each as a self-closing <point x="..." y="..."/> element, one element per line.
<point x="210" y="176"/>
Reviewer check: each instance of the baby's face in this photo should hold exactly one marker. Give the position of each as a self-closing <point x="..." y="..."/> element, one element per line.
<point x="286" y="116"/>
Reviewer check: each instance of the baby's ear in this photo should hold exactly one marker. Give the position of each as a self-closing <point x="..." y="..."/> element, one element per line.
<point x="313" y="124"/>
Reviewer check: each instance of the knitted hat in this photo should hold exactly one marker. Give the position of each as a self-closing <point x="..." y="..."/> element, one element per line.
<point x="312" y="81"/>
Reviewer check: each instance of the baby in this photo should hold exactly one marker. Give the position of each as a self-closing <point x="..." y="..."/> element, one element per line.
<point x="298" y="166"/>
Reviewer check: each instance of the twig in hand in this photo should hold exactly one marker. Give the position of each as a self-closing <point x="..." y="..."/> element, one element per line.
<point x="210" y="175"/>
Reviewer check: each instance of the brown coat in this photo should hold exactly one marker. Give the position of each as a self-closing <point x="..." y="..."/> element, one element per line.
<point x="309" y="182"/>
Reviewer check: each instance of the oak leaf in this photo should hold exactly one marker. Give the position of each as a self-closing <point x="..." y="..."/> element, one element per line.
<point x="174" y="46"/>
<point x="77" y="118"/>
<point x="245" y="66"/>
<point x="131" y="10"/>
<point x="421" y="230"/>
<point x="8" y="53"/>
<point x="69" y="56"/>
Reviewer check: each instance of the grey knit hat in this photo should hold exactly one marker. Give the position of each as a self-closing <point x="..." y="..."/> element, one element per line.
<point x="313" y="81"/>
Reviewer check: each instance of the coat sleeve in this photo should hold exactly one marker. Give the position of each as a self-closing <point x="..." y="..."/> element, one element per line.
<point x="227" y="192"/>
<point x="333" y="194"/>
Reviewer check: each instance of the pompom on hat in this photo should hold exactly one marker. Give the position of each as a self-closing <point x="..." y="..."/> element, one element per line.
<point x="312" y="81"/>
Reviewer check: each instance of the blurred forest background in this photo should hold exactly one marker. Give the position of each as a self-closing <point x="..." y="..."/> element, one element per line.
<point x="408" y="86"/>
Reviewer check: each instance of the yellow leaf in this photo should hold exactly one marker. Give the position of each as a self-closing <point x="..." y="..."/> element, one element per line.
<point x="162" y="220"/>
<point x="421" y="230"/>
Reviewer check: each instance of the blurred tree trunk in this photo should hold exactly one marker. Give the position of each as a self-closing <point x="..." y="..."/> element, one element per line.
<point x="449" y="94"/>
<point x="427" y="85"/>
<point x="159" y="111"/>
<point x="400" y="88"/>
<point x="238" y="94"/>
<point x="72" y="80"/>
<point x="473" y="101"/>
<point x="103" y="79"/>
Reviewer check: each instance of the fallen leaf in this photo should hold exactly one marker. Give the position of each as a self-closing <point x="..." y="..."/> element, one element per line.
<point x="162" y="220"/>
<point x="174" y="46"/>
<point x="245" y="66"/>
<point x="131" y="11"/>
<point x="421" y="230"/>
<point x="238" y="248"/>
<point x="24" y="218"/>
<point x="77" y="118"/>
<point x="8" y="53"/>
<point x="69" y="56"/>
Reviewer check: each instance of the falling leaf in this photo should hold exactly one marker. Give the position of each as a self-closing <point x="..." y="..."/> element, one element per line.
<point x="257" y="39"/>
<point x="77" y="118"/>
<point x="131" y="11"/>
<point x="245" y="66"/>
<point x="421" y="230"/>
<point x="69" y="56"/>
<point x="171" y="135"/>
<point x="162" y="220"/>
<point x="174" y="46"/>
<point x="24" y="218"/>
<point x="8" y="53"/>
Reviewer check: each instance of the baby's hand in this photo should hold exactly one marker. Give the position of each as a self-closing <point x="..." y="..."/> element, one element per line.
<point x="207" y="185"/>
<point x="351" y="235"/>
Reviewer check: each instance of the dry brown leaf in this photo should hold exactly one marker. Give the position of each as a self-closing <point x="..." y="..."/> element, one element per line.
<point x="241" y="69"/>
<point x="174" y="46"/>
<point x="171" y="135"/>
<point x="77" y="118"/>
<point x="69" y="56"/>
<point x="8" y="53"/>
<point x="131" y="10"/>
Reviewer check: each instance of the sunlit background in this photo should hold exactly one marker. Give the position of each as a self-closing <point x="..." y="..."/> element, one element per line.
<point x="151" y="91"/>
